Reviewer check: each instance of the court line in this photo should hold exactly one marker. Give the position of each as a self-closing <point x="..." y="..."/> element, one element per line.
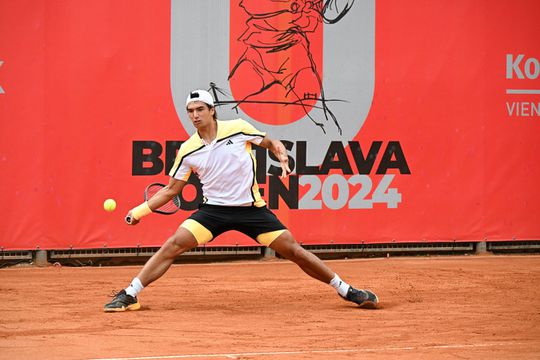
<point x="305" y="352"/>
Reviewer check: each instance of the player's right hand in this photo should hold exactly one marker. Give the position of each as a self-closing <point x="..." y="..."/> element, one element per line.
<point x="130" y="220"/>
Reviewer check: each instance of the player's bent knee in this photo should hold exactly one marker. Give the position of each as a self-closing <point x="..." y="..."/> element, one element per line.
<point x="179" y="243"/>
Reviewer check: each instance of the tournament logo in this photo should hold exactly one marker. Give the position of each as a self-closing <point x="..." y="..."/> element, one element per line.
<point x="300" y="70"/>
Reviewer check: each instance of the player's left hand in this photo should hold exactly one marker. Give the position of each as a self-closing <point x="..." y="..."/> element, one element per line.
<point x="281" y="155"/>
<point x="279" y="151"/>
<point x="285" y="171"/>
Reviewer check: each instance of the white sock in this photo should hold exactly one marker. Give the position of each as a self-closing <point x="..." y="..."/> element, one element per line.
<point x="341" y="286"/>
<point x="135" y="287"/>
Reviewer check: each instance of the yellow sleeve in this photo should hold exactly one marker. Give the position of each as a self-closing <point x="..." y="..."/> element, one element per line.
<point x="249" y="129"/>
<point x="181" y="169"/>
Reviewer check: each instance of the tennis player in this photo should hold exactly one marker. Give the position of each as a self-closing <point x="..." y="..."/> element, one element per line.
<point x="219" y="153"/>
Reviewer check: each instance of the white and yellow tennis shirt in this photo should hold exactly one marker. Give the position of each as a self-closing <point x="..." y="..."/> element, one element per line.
<point x="226" y="167"/>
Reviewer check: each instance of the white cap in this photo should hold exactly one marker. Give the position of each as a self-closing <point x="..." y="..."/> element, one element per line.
<point x="200" y="95"/>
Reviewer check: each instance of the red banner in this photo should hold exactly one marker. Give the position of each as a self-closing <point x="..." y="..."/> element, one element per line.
<point x="431" y="116"/>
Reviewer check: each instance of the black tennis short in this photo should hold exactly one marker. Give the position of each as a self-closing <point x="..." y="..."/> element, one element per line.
<point x="259" y="223"/>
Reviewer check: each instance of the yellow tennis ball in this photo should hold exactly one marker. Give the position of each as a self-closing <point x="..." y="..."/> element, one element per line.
<point x="109" y="205"/>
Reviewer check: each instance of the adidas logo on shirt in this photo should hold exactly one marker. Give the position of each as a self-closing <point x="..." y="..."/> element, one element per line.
<point x="229" y="142"/>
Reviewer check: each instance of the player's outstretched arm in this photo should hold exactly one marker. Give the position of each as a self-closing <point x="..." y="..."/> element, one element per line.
<point x="278" y="149"/>
<point x="164" y="195"/>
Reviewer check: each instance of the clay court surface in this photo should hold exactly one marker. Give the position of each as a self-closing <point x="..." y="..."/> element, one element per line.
<point x="466" y="307"/>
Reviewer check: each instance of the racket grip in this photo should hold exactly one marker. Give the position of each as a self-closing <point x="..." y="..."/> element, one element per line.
<point x="128" y="219"/>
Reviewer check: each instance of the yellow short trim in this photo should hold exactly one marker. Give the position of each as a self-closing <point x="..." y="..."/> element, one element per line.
<point x="201" y="234"/>
<point x="267" y="238"/>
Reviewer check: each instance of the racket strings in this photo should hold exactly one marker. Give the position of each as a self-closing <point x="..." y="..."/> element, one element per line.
<point x="170" y="206"/>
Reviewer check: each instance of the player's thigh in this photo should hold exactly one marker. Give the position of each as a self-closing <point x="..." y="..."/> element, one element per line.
<point x="286" y="245"/>
<point x="182" y="240"/>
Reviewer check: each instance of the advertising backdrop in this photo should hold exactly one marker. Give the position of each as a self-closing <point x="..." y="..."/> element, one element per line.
<point x="404" y="121"/>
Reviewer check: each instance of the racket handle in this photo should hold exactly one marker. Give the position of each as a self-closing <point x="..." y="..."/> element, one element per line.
<point x="128" y="219"/>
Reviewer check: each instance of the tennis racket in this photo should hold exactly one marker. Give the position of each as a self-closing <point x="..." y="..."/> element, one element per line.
<point x="170" y="207"/>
